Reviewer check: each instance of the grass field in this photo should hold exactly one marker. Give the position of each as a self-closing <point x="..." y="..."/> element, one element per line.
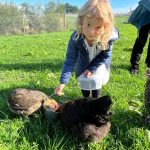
<point x="34" y="61"/>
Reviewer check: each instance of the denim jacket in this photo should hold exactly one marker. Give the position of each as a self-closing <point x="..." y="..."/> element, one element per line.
<point x="141" y="15"/>
<point x="77" y="57"/>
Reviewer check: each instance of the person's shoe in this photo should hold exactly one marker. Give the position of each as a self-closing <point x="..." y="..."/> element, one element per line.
<point x="147" y="120"/>
<point x="148" y="72"/>
<point x="134" y="71"/>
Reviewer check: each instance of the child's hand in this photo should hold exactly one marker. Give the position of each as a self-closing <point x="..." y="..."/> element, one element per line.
<point x="87" y="73"/>
<point x="59" y="89"/>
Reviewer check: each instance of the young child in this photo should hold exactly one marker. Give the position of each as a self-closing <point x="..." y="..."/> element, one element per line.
<point x="90" y="48"/>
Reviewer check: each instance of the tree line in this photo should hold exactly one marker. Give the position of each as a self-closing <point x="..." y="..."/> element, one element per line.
<point x="27" y="18"/>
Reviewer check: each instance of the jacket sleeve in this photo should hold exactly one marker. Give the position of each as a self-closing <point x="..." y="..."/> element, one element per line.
<point x="70" y="61"/>
<point x="105" y="56"/>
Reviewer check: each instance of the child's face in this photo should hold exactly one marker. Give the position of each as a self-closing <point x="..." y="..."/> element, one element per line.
<point x="91" y="28"/>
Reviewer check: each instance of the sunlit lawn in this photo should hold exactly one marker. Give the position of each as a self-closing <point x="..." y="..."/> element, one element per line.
<point x="35" y="61"/>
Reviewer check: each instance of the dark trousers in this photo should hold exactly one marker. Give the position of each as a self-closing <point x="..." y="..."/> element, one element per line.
<point x="95" y="93"/>
<point x="138" y="47"/>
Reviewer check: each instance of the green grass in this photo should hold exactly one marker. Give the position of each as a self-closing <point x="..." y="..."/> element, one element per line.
<point x="35" y="61"/>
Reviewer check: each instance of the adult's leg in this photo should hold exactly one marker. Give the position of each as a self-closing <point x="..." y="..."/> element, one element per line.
<point x="148" y="56"/>
<point x="148" y="61"/>
<point x="96" y="93"/>
<point x="85" y="93"/>
<point x="138" y="46"/>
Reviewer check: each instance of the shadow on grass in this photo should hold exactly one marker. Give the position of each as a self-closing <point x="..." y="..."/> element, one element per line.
<point x="125" y="124"/>
<point x="128" y="49"/>
<point x="127" y="118"/>
<point x="32" y="66"/>
<point x="120" y="66"/>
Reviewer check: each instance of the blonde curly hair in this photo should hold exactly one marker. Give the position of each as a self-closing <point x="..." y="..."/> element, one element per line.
<point x="100" y="9"/>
